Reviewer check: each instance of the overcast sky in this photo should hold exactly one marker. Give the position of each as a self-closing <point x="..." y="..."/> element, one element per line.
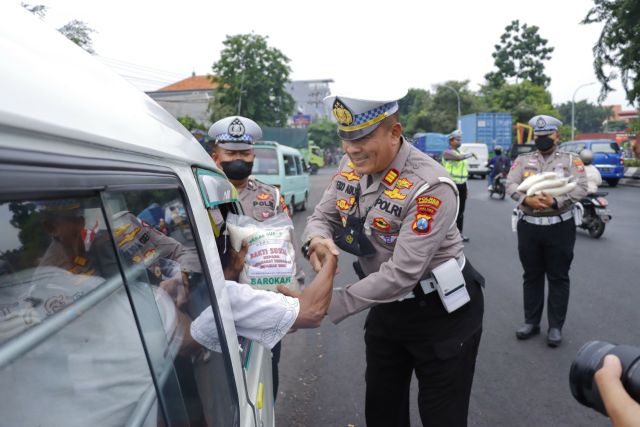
<point x="358" y="43"/>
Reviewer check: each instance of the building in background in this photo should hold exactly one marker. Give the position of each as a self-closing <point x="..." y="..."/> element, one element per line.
<point x="619" y="115"/>
<point x="188" y="97"/>
<point x="308" y="96"/>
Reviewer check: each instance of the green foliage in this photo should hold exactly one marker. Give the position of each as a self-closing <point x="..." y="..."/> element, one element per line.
<point x="76" y="31"/>
<point x="588" y="117"/>
<point x="523" y="100"/>
<point x="414" y="111"/>
<point x="39" y="10"/>
<point x="324" y="133"/>
<point x="190" y="123"/>
<point x="79" y="33"/>
<point x="520" y="55"/>
<point x="615" y="126"/>
<point x="634" y="126"/>
<point x="251" y="78"/>
<point x="618" y="46"/>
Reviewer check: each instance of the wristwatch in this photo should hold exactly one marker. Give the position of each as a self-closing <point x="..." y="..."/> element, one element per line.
<point x="305" y="249"/>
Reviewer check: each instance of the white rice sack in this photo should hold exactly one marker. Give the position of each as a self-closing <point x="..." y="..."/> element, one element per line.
<point x="528" y="182"/>
<point x="270" y="260"/>
<point x="559" y="191"/>
<point x="546" y="184"/>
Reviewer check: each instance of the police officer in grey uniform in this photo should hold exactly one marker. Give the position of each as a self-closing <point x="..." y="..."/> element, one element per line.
<point x="546" y="229"/>
<point x="234" y="138"/>
<point x="395" y="209"/>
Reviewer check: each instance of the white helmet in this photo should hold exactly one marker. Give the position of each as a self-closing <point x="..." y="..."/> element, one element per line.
<point x="587" y="156"/>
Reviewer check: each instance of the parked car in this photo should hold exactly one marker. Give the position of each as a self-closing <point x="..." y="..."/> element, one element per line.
<point x="517" y="149"/>
<point x="477" y="165"/>
<point x="285" y="168"/>
<point x="99" y="336"/>
<point x="607" y="157"/>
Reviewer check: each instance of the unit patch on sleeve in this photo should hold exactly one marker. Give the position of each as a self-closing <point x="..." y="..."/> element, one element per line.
<point x="428" y="200"/>
<point x="421" y="224"/>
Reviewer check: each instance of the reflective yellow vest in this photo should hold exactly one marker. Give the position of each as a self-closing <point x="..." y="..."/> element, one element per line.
<point x="456" y="168"/>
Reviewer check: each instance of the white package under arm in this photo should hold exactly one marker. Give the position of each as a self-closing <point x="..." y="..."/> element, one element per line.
<point x="262" y="316"/>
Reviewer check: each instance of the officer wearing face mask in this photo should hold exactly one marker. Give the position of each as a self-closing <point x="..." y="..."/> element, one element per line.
<point x="234" y="138"/>
<point x="546" y="229"/>
<point x="395" y="209"/>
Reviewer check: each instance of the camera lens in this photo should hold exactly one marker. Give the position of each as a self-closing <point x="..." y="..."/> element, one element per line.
<point x="589" y="359"/>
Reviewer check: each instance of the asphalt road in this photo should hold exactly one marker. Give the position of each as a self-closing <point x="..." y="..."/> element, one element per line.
<point x="516" y="383"/>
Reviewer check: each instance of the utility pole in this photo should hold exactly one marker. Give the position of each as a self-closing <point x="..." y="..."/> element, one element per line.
<point x="573" y="109"/>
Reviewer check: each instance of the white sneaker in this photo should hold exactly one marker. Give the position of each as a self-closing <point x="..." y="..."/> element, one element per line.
<point x="490" y="188"/>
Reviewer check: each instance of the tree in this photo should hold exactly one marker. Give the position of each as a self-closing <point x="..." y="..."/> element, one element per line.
<point x="588" y="117"/>
<point x="615" y="126"/>
<point x="79" y="33"/>
<point x="324" y="133"/>
<point x="251" y="78"/>
<point x="76" y="31"/>
<point x="520" y="55"/>
<point x="523" y="100"/>
<point x="190" y="123"/>
<point x="444" y="105"/>
<point x="618" y="45"/>
<point x="414" y="111"/>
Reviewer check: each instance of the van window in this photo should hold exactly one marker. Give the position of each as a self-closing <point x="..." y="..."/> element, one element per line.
<point x="290" y="165"/>
<point x="266" y="161"/>
<point x="576" y="148"/>
<point x="305" y="166"/>
<point x="299" y="167"/>
<point x="605" y="147"/>
<point x="76" y="357"/>
<point x="169" y="290"/>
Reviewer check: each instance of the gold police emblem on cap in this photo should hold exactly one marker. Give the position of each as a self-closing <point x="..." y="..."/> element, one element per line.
<point x="236" y="128"/>
<point x="342" y="113"/>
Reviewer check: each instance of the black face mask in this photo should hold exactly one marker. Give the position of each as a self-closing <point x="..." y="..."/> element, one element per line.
<point x="544" y="143"/>
<point x="237" y="169"/>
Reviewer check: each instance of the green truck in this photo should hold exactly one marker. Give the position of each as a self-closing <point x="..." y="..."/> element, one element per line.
<point x="297" y="138"/>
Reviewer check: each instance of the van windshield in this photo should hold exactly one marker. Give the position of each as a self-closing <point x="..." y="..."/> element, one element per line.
<point x="266" y="162"/>
<point x="605" y="147"/>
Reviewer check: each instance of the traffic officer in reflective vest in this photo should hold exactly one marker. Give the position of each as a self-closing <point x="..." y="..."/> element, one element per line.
<point x="234" y="138"/>
<point x="546" y="229"/>
<point x="395" y="209"/>
<point x="455" y="162"/>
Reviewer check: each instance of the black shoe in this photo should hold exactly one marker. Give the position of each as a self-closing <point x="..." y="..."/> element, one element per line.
<point x="554" y="337"/>
<point x="464" y="238"/>
<point x="527" y="331"/>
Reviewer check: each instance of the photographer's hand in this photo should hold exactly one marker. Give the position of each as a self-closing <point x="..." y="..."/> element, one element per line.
<point x="621" y="408"/>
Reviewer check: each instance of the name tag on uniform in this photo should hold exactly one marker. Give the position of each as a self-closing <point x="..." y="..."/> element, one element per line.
<point x="451" y="286"/>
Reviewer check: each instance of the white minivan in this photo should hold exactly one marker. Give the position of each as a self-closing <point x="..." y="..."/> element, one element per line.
<point x="477" y="165"/>
<point x="108" y="215"/>
<point x="283" y="167"/>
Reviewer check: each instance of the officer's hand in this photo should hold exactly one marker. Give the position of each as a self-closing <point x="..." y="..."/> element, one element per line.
<point x="546" y="199"/>
<point x="474" y="156"/>
<point x="537" y="202"/>
<point x="621" y="408"/>
<point x="319" y="250"/>
<point x="236" y="262"/>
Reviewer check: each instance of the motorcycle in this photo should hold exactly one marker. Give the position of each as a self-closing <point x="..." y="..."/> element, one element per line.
<point x="499" y="185"/>
<point x="595" y="213"/>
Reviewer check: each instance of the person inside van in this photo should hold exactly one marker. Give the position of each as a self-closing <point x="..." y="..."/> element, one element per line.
<point x="233" y="152"/>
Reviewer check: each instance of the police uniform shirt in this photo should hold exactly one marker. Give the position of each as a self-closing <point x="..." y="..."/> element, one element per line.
<point x="563" y="163"/>
<point x="261" y="201"/>
<point x="411" y="224"/>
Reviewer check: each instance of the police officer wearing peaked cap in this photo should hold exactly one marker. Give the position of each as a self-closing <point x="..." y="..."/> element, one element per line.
<point x="395" y="209"/>
<point x="233" y="152"/>
<point x="546" y="229"/>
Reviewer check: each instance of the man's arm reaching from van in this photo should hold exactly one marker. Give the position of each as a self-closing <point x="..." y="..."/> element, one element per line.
<point x="265" y="316"/>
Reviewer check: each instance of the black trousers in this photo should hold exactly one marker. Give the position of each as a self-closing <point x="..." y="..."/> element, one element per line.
<point x="419" y="335"/>
<point x="546" y="250"/>
<point x="462" y="191"/>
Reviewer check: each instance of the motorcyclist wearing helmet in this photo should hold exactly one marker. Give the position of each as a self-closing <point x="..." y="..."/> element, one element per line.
<point x="593" y="174"/>
<point x="498" y="164"/>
